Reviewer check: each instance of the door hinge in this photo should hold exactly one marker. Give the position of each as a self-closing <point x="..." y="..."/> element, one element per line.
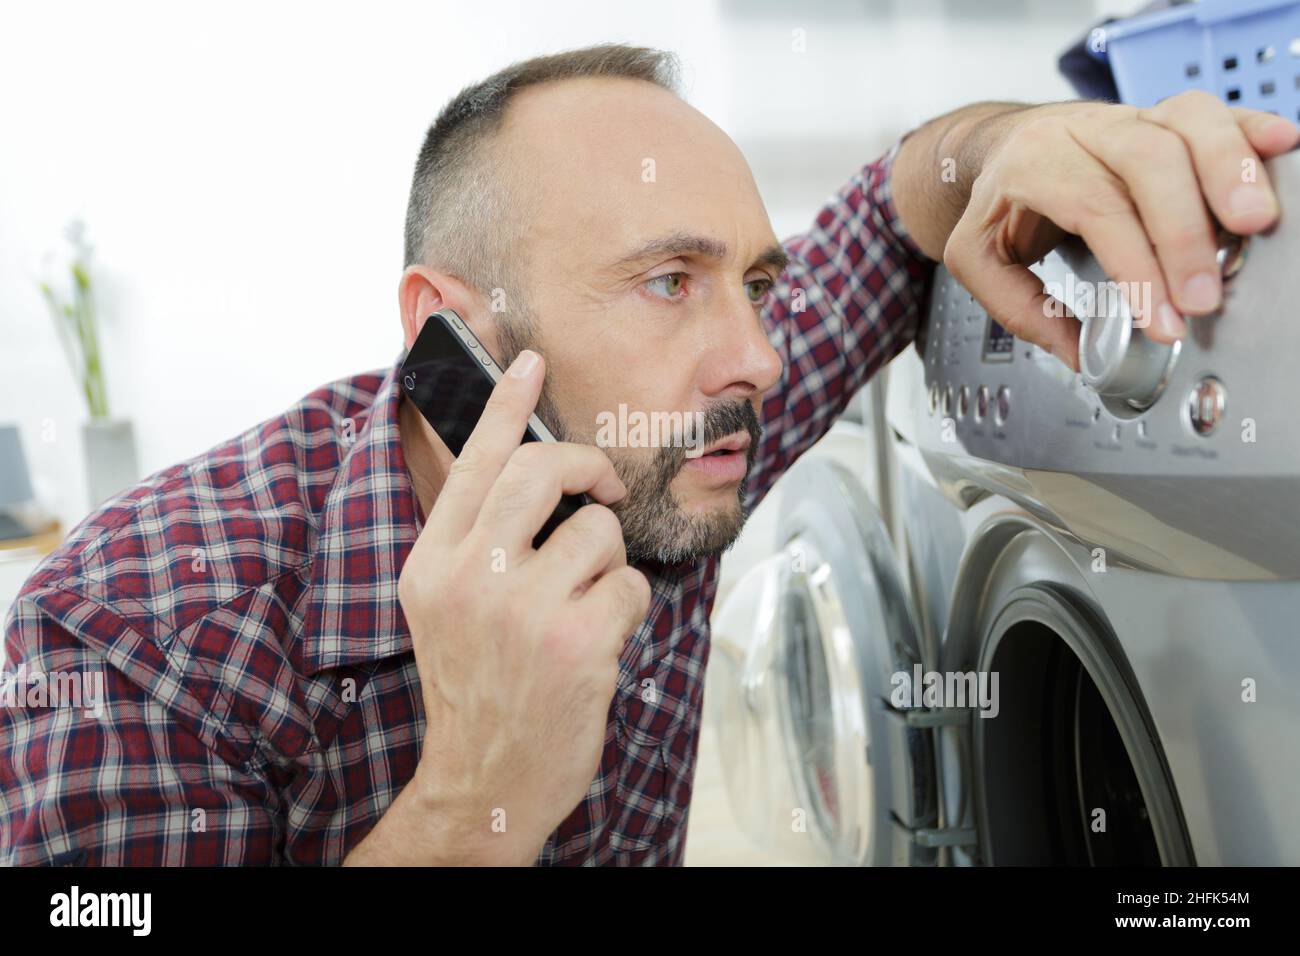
<point x="930" y="717"/>
<point x="944" y="836"/>
<point x="934" y="837"/>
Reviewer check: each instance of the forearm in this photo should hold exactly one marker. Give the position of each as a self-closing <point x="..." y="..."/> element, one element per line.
<point x="425" y="828"/>
<point x="937" y="165"/>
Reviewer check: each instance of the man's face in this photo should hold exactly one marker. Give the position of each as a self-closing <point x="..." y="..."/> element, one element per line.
<point x="648" y="255"/>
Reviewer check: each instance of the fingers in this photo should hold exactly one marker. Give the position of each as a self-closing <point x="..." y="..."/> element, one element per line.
<point x="1269" y="135"/>
<point x="1097" y="208"/>
<point x="622" y="598"/>
<point x="1139" y="187"/>
<point x="495" y="438"/>
<point x="1015" y="297"/>
<point x="531" y="484"/>
<point x="1230" y="170"/>
<point x="1157" y="171"/>
<point x="1118" y="240"/>
<point x="589" y="544"/>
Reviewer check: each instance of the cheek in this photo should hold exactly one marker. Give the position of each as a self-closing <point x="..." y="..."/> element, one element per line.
<point x="644" y="471"/>
<point x="577" y="394"/>
<point x="646" y="374"/>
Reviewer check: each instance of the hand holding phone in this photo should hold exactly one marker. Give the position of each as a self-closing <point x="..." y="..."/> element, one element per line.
<point x="517" y="669"/>
<point x="449" y="376"/>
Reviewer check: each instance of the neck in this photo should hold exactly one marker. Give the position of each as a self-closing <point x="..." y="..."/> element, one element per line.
<point x="428" y="459"/>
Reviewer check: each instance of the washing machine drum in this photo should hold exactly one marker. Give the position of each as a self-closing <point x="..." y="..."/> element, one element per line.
<point x="818" y="766"/>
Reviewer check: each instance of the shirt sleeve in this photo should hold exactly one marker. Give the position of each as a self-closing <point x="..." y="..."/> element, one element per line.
<point x="848" y="302"/>
<point x="96" y="770"/>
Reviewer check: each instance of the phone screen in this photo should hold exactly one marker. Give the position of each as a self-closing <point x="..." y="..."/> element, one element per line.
<point x="449" y="376"/>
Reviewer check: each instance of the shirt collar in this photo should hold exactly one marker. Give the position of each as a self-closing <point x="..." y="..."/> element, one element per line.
<point x="366" y="530"/>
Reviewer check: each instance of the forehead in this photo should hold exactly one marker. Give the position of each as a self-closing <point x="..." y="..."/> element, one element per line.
<point x="611" y="163"/>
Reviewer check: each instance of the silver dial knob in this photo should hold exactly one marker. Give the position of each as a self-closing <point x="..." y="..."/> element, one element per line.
<point x="1123" y="366"/>
<point x="1119" y="362"/>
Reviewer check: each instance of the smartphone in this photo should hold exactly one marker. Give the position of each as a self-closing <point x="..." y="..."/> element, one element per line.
<point x="449" y="376"/>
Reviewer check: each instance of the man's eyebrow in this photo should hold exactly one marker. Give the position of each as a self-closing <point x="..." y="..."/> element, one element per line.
<point x="774" y="256"/>
<point x="682" y="243"/>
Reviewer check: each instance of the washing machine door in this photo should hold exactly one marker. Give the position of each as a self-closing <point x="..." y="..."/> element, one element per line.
<point x="819" y="766"/>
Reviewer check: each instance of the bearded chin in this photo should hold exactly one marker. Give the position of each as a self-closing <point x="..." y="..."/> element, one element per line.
<point x="655" y="525"/>
<point x="667" y="535"/>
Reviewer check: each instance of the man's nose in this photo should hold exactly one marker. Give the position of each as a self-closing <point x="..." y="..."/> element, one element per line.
<point x="743" y="361"/>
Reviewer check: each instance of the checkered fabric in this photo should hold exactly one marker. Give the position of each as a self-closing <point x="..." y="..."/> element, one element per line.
<point x="260" y="702"/>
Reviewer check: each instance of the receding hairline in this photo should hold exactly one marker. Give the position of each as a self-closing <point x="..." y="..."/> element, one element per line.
<point x="502" y="148"/>
<point x="457" y="168"/>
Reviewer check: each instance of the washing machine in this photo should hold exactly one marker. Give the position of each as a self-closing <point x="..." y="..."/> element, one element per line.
<point x="1055" y="617"/>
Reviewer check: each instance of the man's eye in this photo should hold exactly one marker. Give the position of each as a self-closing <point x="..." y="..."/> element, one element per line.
<point x="758" y="289"/>
<point x="667" y="285"/>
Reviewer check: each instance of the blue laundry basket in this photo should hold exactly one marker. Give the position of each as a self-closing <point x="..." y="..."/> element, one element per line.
<point x="1247" y="52"/>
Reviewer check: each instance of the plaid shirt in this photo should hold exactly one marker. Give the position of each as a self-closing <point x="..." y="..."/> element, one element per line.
<point x="260" y="702"/>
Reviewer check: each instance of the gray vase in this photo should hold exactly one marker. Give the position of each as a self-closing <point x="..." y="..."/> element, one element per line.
<point x="111" y="463"/>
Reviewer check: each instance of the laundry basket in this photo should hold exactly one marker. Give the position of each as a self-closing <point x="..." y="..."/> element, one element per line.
<point x="1247" y="52"/>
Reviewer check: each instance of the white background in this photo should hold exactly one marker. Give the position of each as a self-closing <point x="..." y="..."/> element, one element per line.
<point x="243" y="168"/>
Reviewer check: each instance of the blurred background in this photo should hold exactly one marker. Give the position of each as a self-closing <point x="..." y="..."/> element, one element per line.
<point x="240" y="174"/>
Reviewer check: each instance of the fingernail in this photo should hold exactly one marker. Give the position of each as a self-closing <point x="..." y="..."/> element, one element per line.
<point x="523" y="364"/>
<point x="1249" y="200"/>
<point x="1201" y="293"/>
<point x="1170" y="321"/>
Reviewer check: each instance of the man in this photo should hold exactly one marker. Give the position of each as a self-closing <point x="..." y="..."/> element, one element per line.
<point x="327" y="641"/>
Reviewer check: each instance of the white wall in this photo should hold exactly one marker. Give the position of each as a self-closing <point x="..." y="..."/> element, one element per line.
<point x="243" y="168"/>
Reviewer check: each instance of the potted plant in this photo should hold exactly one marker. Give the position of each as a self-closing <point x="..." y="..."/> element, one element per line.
<point x="108" y="443"/>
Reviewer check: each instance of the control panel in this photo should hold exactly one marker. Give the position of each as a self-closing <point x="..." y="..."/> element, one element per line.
<point x="1199" y="436"/>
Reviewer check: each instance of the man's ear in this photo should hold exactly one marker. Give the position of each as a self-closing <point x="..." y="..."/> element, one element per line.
<point x="423" y="291"/>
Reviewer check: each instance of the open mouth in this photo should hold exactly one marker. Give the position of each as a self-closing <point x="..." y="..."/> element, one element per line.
<point x="723" y="462"/>
<point x="731" y="445"/>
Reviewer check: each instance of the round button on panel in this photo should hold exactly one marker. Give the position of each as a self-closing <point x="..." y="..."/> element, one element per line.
<point x="1232" y="253"/>
<point x="982" y="403"/>
<point x="1004" y="404"/>
<point x="934" y="397"/>
<point x="963" y="402"/>
<point x="1205" y="405"/>
<point x="947" y="401"/>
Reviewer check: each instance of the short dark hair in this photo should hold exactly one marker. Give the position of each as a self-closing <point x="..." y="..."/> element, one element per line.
<point x="464" y="214"/>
